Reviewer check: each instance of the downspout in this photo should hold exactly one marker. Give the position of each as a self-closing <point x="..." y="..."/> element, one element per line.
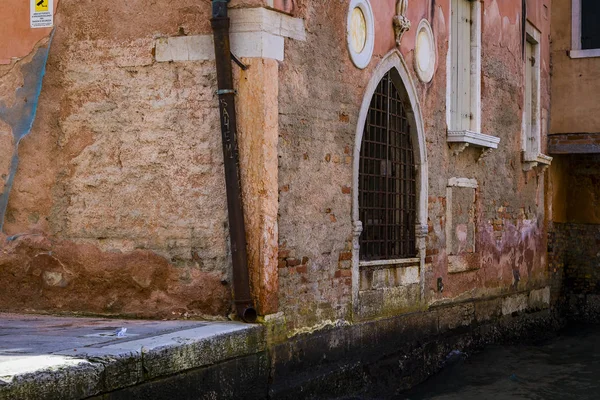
<point x="237" y="230"/>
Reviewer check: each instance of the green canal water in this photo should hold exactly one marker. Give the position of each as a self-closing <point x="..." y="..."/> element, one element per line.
<point x="565" y="367"/>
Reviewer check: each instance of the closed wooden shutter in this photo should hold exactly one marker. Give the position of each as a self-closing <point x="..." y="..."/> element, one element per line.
<point x="461" y="62"/>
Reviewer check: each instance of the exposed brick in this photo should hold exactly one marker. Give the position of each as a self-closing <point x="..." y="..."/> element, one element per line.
<point x="345" y="255"/>
<point x="301" y="269"/>
<point x="343" y="273"/>
<point x="346" y="190"/>
<point x="292" y="262"/>
<point x="284" y="253"/>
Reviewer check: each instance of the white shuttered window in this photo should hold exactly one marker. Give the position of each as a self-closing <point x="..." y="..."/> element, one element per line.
<point x="531" y="110"/>
<point x="465" y="42"/>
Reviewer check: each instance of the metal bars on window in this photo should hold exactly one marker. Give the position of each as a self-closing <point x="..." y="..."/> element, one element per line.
<point x="387" y="188"/>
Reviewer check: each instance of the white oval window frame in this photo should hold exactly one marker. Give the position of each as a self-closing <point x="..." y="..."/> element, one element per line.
<point x="361" y="59"/>
<point x="425" y="75"/>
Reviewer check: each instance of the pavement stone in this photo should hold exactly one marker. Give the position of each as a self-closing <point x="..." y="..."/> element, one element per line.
<point x="47" y="357"/>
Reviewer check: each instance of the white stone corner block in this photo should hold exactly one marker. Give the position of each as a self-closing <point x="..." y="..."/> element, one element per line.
<point x="185" y="48"/>
<point x="269" y="21"/>
<point x="257" y="44"/>
<point x="254" y="33"/>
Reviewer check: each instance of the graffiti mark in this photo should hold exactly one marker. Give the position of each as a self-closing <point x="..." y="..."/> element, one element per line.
<point x="21" y="115"/>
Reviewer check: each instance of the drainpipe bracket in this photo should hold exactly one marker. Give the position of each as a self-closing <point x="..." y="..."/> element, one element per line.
<point x="226" y="91"/>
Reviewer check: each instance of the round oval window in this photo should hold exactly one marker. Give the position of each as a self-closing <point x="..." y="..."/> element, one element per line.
<point x="424" y="52"/>
<point x="358" y="30"/>
<point x="361" y="32"/>
<point x="423" y="55"/>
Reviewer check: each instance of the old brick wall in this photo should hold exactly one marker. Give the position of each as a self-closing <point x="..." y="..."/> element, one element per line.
<point x="574" y="245"/>
<point x="118" y="203"/>
<point x="320" y="97"/>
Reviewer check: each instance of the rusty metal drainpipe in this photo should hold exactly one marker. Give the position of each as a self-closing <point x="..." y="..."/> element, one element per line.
<point x="237" y="230"/>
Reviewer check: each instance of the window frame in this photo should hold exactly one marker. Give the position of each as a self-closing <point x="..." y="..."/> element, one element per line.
<point x="576" y="50"/>
<point x="469" y="60"/>
<point x="532" y="110"/>
<point x="408" y="199"/>
<point x="461" y="134"/>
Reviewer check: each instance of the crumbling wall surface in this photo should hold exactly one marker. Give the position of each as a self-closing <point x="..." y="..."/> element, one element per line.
<point x="574" y="250"/>
<point x="320" y="98"/>
<point x="575" y="265"/>
<point x="121" y="174"/>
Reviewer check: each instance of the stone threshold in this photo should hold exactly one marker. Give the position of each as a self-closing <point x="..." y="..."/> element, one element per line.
<point x="74" y="358"/>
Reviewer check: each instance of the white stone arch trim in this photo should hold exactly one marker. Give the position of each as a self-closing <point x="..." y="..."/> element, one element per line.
<point x="395" y="62"/>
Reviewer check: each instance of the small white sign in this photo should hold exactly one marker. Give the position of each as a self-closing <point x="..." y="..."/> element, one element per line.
<point x="41" y="13"/>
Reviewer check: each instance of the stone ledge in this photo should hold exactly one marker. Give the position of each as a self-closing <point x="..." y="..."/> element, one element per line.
<point x="574" y="143"/>
<point x="114" y="364"/>
<point x="459" y="140"/>
<point x="532" y="159"/>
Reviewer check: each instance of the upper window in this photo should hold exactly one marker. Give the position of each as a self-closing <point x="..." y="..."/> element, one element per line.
<point x="465" y="77"/>
<point x="590" y="24"/>
<point x="387" y="188"/>
<point x="532" y="126"/>
<point x="531" y="115"/>
<point x="585" y="40"/>
<point x="463" y="113"/>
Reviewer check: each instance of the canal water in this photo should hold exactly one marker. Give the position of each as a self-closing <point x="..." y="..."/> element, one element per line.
<point x="562" y="368"/>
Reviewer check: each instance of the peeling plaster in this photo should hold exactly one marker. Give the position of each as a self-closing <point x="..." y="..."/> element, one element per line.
<point x="21" y="115"/>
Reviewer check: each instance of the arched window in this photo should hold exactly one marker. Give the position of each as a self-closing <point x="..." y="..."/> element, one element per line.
<point x="387" y="189"/>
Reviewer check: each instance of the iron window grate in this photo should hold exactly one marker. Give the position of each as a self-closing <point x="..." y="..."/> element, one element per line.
<point x="387" y="192"/>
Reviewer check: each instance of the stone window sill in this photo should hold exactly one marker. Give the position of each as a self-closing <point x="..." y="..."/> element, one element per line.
<point x="376" y="263"/>
<point x="532" y="160"/>
<point x="459" y="140"/>
<point x="587" y="53"/>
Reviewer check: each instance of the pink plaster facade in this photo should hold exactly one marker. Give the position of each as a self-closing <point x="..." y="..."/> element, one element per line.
<point x="118" y="204"/>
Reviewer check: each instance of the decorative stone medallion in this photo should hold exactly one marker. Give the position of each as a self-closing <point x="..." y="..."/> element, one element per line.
<point x="424" y="52"/>
<point x="361" y="32"/>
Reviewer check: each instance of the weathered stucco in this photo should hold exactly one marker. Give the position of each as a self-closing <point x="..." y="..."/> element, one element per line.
<point x="124" y="161"/>
<point x="574" y="80"/>
<point x="320" y="96"/>
<point x="124" y="157"/>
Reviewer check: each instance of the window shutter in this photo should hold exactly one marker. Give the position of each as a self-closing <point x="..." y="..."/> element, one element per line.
<point x="529" y="145"/>
<point x="461" y="65"/>
<point x="464" y="76"/>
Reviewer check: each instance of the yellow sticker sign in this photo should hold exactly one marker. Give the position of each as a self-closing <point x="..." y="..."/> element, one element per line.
<point x="41" y="13"/>
<point x="41" y="5"/>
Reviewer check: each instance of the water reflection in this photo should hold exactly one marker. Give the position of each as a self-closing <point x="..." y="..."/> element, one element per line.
<point x="566" y="367"/>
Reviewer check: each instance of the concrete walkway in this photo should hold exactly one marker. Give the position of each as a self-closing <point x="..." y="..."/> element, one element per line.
<point x="45" y="357"/>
